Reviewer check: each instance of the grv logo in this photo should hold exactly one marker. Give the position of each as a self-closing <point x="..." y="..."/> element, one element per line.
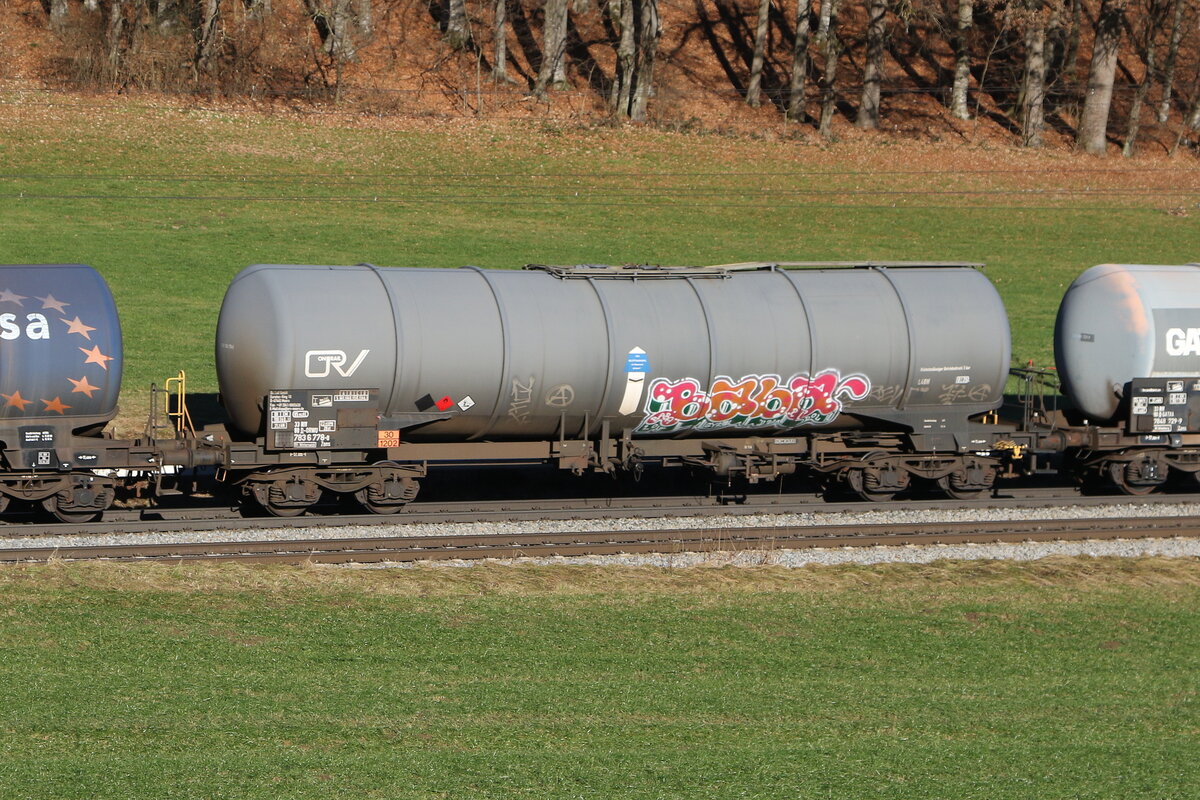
<point x="319" y="363"/>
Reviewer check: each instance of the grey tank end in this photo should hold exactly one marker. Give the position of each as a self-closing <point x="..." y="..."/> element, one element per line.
<point x="1118" y="322"/>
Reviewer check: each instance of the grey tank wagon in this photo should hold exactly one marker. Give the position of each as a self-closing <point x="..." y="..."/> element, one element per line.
<point x="871" y="373"/>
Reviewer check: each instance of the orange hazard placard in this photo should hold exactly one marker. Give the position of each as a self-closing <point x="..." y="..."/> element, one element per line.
<point x="389" y="438"/>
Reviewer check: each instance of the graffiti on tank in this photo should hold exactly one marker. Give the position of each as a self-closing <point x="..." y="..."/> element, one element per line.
<point x="958" y="393"/>
<point x="751" y="401"/>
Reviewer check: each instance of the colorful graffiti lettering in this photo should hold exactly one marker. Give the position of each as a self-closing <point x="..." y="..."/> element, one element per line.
<point x="749" y="402"/>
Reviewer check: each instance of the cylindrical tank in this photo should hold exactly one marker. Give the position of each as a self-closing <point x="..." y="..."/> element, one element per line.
<point x="1118" y="322"/>
<point x="515" y="354"/>
<point x="60" y="345"/>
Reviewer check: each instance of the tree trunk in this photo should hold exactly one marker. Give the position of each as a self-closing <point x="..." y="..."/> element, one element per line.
<point x="207" y="40"/>
<point x="458" y="32"/>
<point x="754" y="89"/>
<point x="621" y="14"/>
<point x="1191" y="124"/>
<point x="868" y="107"/>
<point x="341" y="40"/>
<point x="364" y="18"/>
<point x="554" y="44"/>
<point x="58" y="14"/>
<point x="649" y="30"/>
<point x="962" y="59"/>
<point x="1070" y="62"/>
<point x="827" y="42"/>
<point x="1093" y="123"/>
<point x="500" y="42"/>
<point x="258" y="9"/>
<point x="795" y="106"/>
<point x="1168" y="81"/>
<point x="1139" y="96"/>
<point x="1033" y="118"/>
<point x="114" y="36"/>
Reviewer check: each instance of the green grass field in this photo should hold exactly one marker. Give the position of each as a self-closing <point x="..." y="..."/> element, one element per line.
<point x="170" y="203"/>
<point x="1067" y="679"/>
<point x="1070" y="679"/>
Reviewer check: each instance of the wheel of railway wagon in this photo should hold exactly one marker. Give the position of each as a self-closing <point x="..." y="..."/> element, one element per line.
<point x="947" y="486"/>
<point x="972" y="482"/>
<point x="858" y="481"/>
<point x="287" y="498"/>
<point x="1131" y="478"/>
<point x="57" y="505"/>
<point x="388" y="496"/>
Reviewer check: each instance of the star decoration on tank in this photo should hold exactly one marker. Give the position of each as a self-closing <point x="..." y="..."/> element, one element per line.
<point x="49" y="302"/>
<point x="15" y="400"/>
<point x="82" y="386"/>
<point x="94" y="356"/>
<point x="76" y="326"/>
<point x="56" y="405"/>
<point x="7" y="296"/>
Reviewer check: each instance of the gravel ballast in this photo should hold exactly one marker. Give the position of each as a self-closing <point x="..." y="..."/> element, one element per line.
<point x="1169" y="547"/>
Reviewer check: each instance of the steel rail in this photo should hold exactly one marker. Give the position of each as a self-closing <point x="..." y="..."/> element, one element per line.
<point x="507" y="546"/>
<point x="215" y="517"/>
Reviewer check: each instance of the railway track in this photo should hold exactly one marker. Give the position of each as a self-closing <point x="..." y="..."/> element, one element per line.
<point x="215" y="517"/>
<point x="506" y="546"/>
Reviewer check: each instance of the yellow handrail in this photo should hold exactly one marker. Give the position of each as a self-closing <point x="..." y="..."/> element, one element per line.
<point x="178" y="414"/>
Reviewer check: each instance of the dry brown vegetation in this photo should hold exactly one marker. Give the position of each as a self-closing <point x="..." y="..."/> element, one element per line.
<point x="1062" y="574"/>
<point x="403" y="63"/>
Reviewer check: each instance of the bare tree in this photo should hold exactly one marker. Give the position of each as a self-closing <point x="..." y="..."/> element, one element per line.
<point x="868" y="108"/>
<point x="552" y="71"/>
<point x="638" y="29"/>
<point x="1093" y="123"/>
<point x="458" y="31"/>
<point x="649" y="29"/>
<point x="1150" y="29"/>
<point x="364" y="17"/>
<point x="334" y="26"/>
<point x="206" y="38"/>
<point x="1168" y="80"/>
<point x="58" y="14"/>
<point x="754" y="89"/>
<point x="827" y="43"/>
<point x="621" y="14"/>
<point x="1033" y="90"/>
<point x="500" y="42"/>
<point x="115" y="36"/>
<point x="1191" y="124"/>
<point x="795" y="105"/>
<point x="962" y="59"/>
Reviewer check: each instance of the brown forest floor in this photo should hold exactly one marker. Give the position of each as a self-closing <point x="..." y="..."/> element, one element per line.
<point x="406" y="71"/>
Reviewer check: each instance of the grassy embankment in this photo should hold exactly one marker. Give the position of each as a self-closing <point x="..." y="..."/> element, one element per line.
<point x="1069" y="679"/>
<point x="170" y="203"/>
<point x="1072" y="679"/>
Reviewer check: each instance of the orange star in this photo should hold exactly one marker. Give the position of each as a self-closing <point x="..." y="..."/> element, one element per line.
<point x="58" y="305"/>
<point x="75" y="326"/>
<point x="9" y="297"/>
<point x="56" y="405"/>
<point x="15" y="401"/>
<point x="94" y="356"/>
<point x="82" y="386"/>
